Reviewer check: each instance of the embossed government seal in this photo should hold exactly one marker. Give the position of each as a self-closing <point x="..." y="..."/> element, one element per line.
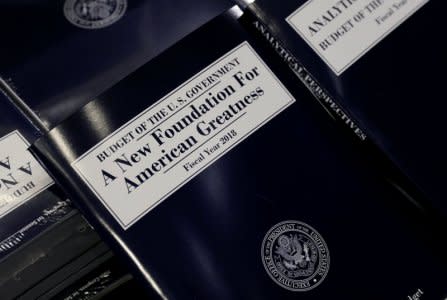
<point x="94" y="14"/>
<point x="295" y="256"/>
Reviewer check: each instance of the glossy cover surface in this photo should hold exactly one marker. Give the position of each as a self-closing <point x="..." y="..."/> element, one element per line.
<point x="394" y="91"/>
<point x="45" y="244"/>
<point x="204" y="241"/>
<point x="55" y="66"/>
<point x="38" y="210"/>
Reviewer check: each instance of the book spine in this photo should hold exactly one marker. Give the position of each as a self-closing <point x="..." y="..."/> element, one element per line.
<point x="335" y="110"/>
<point x="36" y="209"/>
<point x="37" y="226"/>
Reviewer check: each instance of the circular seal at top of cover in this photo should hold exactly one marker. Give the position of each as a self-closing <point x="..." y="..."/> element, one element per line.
<point x="295" y="256"/>
<point x="94" y="14"/>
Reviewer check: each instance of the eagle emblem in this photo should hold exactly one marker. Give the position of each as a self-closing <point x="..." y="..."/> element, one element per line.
<point x="295" y="253"/>
<point x="94" y="14"/>
<point x="95" y="10"/>
<point x="295" y="256"/>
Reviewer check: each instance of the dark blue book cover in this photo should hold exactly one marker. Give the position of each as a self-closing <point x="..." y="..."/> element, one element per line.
<point x="56" y="55"/>
<point x="379" y="63"/>
<point x="45" y="244"/>
<point x="30" y="203"/>
<point x="217" y="176"/>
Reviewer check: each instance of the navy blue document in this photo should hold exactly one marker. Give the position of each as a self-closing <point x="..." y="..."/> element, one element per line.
<point x="44" y="242"/>
<point x="379" y="65"/>
<point x="56" y="55"/>
<point x="216" y="176"/>
<point x="29" y="201"/>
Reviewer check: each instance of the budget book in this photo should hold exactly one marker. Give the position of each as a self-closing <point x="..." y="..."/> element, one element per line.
<point x="216" y="175"/>
<point x="377" y="67"/>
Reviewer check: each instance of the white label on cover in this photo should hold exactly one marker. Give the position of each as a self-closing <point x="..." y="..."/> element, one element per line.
<point x="342" y="31"/>
<point x="142" y="163"/>
<point x="21" y="176"/>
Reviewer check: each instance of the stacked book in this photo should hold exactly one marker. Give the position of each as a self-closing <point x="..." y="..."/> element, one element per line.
<point x="269" y="150"/>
